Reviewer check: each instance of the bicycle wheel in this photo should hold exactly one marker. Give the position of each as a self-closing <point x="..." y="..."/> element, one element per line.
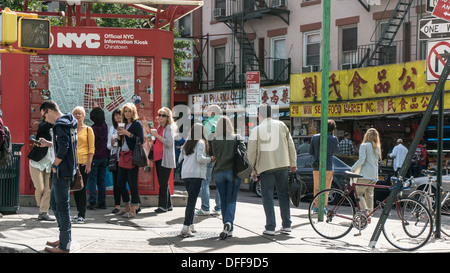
<point x="409" y="225"/>
<point x="338" y="214"/>
<point x="422" y="197"/>
<point x="445" y="215"/>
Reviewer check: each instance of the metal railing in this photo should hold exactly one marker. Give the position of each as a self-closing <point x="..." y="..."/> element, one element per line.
<point x="227" y="75"/>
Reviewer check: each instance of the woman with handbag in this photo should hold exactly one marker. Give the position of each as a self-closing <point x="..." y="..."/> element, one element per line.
<point x="164" y="156"/>
<point x="224" y="150"/>
<point x="194" y="157"/>
<point x="130" y="130"/>
<point x="369" y="155"/>
<point x="86" y="150"/>
<point x="113" y="160"/>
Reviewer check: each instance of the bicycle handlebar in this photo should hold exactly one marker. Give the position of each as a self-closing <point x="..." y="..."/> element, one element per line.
<point x="395" y="179"/>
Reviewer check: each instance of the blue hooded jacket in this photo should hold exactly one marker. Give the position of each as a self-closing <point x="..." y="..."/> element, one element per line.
<point x="65" y="145"/>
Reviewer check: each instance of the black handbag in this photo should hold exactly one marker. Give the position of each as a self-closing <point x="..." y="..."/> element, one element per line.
<point x="113" y="162"/>
<point x="150" y="153"/>
<point x="242" y="167"/>
<point x="297" y="188"/>
<point x="139" y="158"/>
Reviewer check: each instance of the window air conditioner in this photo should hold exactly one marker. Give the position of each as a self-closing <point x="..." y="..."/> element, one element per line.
<point x="310" y="68"/>
<point x="219" y="12"/>
<point x="278" y="3"/>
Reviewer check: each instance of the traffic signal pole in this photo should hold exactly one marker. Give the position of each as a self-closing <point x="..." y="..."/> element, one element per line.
<point x="438" y="94"/>
<point x="324" y="104"/>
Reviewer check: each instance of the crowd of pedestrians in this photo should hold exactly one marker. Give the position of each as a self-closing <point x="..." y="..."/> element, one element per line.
<point x="66" y="144"/>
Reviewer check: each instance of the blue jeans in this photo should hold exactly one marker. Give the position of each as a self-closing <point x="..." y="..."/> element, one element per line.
<point x="59" y="202"/>
<point x="228" y="194"/>
<point x="96" y="181"/>
<point x="193" y="188"/>
<point x="268" y="181"/>
<point x="204" y="192"/>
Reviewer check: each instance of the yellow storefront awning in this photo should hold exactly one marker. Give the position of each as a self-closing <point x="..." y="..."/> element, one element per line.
<point x="380" y="90"/>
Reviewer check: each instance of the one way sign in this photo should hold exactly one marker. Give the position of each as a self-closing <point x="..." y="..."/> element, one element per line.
<point x="438" y="53"/>
<point x="433" y="29"/>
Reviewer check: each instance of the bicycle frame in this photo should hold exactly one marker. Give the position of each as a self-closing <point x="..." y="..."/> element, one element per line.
<point x="348" y="190"/>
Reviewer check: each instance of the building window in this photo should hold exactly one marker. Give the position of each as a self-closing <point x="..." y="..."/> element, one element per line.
<point x="185" y="26"/>
<point x="349" y="47"/>
<point x="219" y="65"/>
<point x="166" y="83"/>
<point x="311" y="49"/>
<point x="388" y="53"/>
<point x="278" y="54"/>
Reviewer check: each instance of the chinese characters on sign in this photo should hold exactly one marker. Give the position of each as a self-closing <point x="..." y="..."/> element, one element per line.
<point x="398" y="88"/>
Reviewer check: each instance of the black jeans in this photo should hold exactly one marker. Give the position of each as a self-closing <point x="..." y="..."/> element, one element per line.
<point x="193" y="186"/>
<point x="163" y="174"/>
<point x="130" y="175"/>
<point x="80" y="196"/>
<point x="116" y="188"/>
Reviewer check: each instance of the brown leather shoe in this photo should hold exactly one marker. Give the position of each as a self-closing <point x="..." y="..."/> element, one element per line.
<point x="55" y="250"/>
<point x="53" y="244"/>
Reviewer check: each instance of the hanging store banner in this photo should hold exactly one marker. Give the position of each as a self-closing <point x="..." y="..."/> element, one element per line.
<point x="395" y="80"/>
<point x="384" y="106"/>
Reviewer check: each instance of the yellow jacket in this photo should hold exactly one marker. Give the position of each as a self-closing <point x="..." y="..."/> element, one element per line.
<point x="271" y="147"/>
<point x="85" y="144"/>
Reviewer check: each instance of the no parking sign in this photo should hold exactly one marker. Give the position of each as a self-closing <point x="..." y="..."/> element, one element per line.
<point x="437" y="54"/>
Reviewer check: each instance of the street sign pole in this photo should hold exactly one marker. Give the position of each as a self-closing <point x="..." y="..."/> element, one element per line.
<point x="324" y="104"/>
<point x="440" y="147"/>
<point x="437" y="95"/>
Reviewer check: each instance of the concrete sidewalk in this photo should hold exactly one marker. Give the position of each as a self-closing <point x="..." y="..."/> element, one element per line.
<point x="149" y="232"/>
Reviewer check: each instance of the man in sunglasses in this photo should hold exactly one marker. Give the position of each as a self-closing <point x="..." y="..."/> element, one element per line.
<point x="63" y="169"/>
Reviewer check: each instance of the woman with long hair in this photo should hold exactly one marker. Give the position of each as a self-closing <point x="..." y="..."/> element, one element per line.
<point x="116" y="118"/>
<point x="369" y="155"/>
<point x="224" y="147"/>
<point x="164" y="156"/>
<point x="194" y="158"/>
<point x="96" y="182"/>
<point x="127" y="139"/>
<point x="86" y="150"/>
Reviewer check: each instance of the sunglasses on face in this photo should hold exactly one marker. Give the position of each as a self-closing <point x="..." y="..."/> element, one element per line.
<point x="45" y="113"/>
<point x="162" y="115"/>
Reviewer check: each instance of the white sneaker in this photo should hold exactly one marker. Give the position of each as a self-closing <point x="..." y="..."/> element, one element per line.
<point x="185" y="232"/>
<point x="216" y="212"/>
<point x="285" y="230"/>
<point x="226" y="229"/>
<point x="191" y="229"/>
<point x="201" y="212"/>
<point x="269" y="232"/>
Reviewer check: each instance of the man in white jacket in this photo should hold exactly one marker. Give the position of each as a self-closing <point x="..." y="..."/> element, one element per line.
<point x="398" y="154"/>
<point x="272" y="153"/>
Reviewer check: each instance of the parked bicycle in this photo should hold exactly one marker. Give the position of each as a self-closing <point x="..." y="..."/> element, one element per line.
<point x="408" y="227"/>
<point x="426" y="194"/>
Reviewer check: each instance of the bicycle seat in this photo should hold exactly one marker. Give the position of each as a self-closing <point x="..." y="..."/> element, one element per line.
<point x="353" y="175"/>
<point x="428" y="172"/>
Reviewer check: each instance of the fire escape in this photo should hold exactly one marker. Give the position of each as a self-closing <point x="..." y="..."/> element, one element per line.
<point x="235" y="14"/>
<point x="383" y="47"/>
